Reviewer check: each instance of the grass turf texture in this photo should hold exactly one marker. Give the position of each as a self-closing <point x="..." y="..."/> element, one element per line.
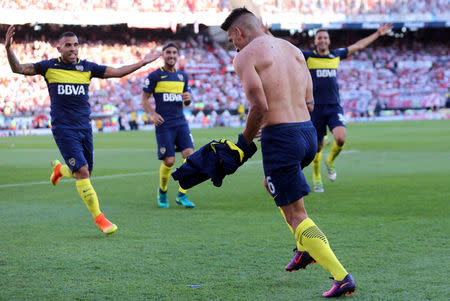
<point x="386" y="218"/>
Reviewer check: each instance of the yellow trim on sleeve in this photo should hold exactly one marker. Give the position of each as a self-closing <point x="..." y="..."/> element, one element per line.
<point x="231" y="145"/>
<point x="67" y="76"/>
<point x="236" y="148"/>
<point x="323" y="63"/>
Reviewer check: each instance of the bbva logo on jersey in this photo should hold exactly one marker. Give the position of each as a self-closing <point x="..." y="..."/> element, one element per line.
<point x="172" y="97"/>
<point x="68" y="89"/>
<point x="326" y="73"/>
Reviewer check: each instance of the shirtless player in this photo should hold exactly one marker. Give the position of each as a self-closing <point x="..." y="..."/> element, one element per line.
<point x="278" y="85"/>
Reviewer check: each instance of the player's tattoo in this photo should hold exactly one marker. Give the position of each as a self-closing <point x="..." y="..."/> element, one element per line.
<point x="28" y="69"/>
<point x="310" y="102"/>
<point x="16" y="67"/>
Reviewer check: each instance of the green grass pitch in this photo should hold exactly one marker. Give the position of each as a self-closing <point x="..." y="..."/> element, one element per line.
<point x="386" y="217"/>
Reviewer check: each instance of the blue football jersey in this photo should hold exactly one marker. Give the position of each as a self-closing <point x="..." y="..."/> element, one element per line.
<point x="68" y="86"/>
<point x="323" y="71"/>
<point x="167" y="88"/>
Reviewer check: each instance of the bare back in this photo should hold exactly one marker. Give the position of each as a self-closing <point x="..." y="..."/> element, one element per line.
<point x="284" y="76"/>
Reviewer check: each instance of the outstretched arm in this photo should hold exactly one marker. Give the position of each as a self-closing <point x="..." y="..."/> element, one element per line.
<point x="254" y="91"/>
<point x="122" y="71"/>
<point x="363" y="43"/>
<point x="16" y="66"/>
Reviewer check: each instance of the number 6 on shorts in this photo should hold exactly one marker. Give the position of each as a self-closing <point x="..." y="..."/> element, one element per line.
<point x="270" y="185"/>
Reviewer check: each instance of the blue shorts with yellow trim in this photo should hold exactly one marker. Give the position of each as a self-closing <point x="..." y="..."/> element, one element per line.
<point x="173" y="139"/>
<point x="286" y="149"/>
<point x="327" y="114"/>
<point x="76" y="147"/>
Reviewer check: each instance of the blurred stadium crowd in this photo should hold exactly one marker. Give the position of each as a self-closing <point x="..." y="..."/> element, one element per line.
<point x="394" y="77"/>
<point x="347" y="7"/>
<point x="213" y="87"/>
<point x="119" y="5"/>
<point x="376" y="79"/>
<point x="354" y="7"/>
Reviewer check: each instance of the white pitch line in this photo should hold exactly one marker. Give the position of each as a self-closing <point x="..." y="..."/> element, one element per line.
<point x="106" y="176"/>
<point x="125" y="175"/>
<point x="95" y="178"/>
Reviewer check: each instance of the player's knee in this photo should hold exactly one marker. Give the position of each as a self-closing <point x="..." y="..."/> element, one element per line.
<point x="319" y="146"/>
<point x="82" y="173"/>
<point x="340" y="141"/>
<point x="187" y="152"/>
<point x="169" y="162"/>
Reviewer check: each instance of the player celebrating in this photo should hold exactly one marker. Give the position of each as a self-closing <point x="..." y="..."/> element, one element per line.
<point x="68" y="79"/>
<point x="323" y="64"/>
<point x="278" y="105"/>
<point x="170" y="89"/>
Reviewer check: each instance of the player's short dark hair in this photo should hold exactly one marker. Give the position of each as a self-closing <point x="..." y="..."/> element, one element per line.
<point x="235" y="13"/>
<point x="170" y="44"/>
<point x="321" y="30"/>
<point x="67" y="34"/>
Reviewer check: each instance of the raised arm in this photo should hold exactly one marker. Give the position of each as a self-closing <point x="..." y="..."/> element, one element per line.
<point x="363" y="43"/>
<point x="16" y="66"/>
<point x="122" y="71"/>
<point x="254" y="91"/>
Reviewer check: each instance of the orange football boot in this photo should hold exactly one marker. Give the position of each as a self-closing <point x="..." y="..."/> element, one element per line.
<point x="104" y="224"/>
<point x="56" y="174"/>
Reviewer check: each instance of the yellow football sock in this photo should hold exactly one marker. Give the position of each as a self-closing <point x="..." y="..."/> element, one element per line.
<point x="299" y="246"/>
<point x="316" y="166"/>
<point x="65" y="171"/>
<point x="164" y="175"/>
<point x="180" y="189"/>
<point x="335" y="150"/>
<point x="316" y="243"/>
<point x="89" y="196"/>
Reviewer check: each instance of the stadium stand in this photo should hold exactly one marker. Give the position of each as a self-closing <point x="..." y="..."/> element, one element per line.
<point x="194" y="6"/>
<point x="394" y="76"/>
<point x="353" y="7"/>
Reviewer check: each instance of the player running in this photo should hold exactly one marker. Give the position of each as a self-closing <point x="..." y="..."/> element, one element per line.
<point x="323" y="63"/>
<point x="171" y="91"/>
<point x="68" y="79"/>
<point x="278" y="86"/>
